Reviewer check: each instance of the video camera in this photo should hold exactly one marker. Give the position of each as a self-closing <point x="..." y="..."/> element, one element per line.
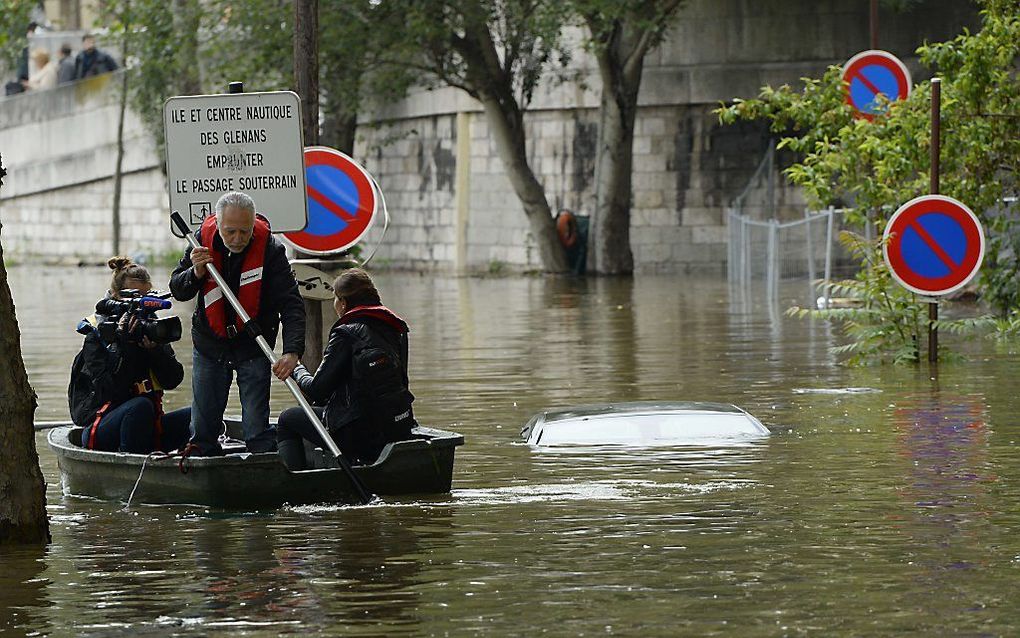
<point x="143" y="308"/>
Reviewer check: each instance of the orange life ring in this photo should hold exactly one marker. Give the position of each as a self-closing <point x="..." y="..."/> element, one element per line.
<point x="566" y="228"/>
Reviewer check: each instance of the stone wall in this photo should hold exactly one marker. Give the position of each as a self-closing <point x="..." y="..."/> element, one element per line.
<point x="60" y="150"/>
<point x="687" y="168"/>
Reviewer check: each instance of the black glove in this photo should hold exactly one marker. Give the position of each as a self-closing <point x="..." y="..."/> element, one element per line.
<point x="129" y="329"/>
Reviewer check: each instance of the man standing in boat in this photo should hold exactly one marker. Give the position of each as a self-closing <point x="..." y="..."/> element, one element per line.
<point x="254" y="264"/>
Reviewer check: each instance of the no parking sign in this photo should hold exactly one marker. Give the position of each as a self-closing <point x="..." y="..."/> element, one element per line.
<point x="870" y="74"/>
<point x="342" y="203"/>
<point x="934" y="245"/>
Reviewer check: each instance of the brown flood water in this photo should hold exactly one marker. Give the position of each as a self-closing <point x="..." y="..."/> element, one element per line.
<point x="864" y="514"/>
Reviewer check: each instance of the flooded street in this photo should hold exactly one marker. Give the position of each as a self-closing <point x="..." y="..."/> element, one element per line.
<point x="866" y="513"/>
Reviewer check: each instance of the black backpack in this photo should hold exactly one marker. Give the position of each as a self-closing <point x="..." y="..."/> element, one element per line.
<point x="82" y="398"/>
<point x="378" y="376"/>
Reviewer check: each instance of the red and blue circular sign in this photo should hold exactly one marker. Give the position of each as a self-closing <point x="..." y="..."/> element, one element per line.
<point x="342" y="203"/>
<point x="934" y="245"/>
<point x="870" y="73"/>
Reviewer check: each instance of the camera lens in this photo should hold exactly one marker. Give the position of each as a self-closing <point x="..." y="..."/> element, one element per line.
<point x="165" y="330"/>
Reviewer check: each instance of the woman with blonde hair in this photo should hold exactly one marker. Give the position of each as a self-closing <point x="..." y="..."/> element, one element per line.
<point x="45" y="76"/>
<point x="361" y="383"/>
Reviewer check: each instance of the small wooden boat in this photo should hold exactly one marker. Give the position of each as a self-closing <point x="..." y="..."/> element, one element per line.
<point x="244" y="481"/>
<point x="643" y="424"/>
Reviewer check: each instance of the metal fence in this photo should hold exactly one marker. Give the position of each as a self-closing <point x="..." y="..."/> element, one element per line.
<point x="771" y="251"/>
<point x="763" y="250"/>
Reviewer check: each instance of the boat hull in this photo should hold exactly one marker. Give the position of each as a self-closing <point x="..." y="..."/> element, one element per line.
<point x="240" y="480"/>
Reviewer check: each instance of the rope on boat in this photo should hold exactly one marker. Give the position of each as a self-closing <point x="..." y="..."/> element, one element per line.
<point x="139" y="479"/>
<point x="158" y="455"/>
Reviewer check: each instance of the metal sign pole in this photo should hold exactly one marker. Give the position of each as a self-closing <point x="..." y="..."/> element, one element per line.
<point x="873" y="24"/>
<point x="936" y="142"/>
<point x="334" y="449"/>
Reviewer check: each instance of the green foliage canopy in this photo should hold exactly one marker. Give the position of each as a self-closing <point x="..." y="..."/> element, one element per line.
<point x="487" y="47"/>
<point x="872" y="167"/>
<point x="159" y="40"/>
<point x="185" y="47"/>
<point x="14" y="18"/>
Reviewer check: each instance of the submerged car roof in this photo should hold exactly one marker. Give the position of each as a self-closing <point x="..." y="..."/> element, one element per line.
<point x="638" y="407"/>
<point x="643" y="423"/>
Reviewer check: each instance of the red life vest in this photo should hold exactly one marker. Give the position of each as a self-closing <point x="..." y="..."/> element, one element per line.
<point x="249" y="292"/>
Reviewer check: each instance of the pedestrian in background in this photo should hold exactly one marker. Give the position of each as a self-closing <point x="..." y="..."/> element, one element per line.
<point x="45" y="76"/>
<point x="65" y="65"/>
<point x="92" y="61"/>
<point x="18" y="84"/>
<point x="23" y="56"/>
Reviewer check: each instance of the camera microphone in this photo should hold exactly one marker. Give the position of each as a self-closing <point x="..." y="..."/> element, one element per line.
<point x="154" y="303"/>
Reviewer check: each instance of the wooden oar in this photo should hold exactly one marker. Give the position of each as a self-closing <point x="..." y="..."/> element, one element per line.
<point x="252" y="329"/>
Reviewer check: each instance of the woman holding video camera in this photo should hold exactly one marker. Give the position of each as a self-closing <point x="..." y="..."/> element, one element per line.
<point x="118" y="378"/>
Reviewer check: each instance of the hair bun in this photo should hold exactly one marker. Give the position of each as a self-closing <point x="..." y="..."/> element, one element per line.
<point x="119" y="262"/>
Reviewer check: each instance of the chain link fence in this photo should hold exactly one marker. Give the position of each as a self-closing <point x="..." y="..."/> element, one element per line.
<point x="770" y="251"/>
<point x="763" y="250"/>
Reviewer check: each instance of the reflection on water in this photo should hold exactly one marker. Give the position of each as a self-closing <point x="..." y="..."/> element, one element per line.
<point x="867" y="512"/>
<point x="23" y="588"/>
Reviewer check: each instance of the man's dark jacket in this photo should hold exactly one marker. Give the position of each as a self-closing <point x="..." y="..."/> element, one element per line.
<point x="280" y="301"/>
<point x="23" y="64"/>
<point x="95" y="62"/>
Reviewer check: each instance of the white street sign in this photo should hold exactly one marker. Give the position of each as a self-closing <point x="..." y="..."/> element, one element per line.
<point x="247" y="142"/>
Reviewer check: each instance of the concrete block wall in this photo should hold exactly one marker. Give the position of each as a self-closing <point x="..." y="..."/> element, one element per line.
<point x="687" y="168"/>
<point x="413" y="162"/>
<point x="60" y="151"/>
<point x="56" y="226"/>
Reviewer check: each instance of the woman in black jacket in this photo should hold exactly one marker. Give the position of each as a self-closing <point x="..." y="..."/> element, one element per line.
<point x="361" y="382"/>
<point x="117" y="381"/>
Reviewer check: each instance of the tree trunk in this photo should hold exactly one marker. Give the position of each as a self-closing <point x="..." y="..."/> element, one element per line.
<point x="306" y="66"/>
<point x="187" y="20"/>
<point x="22" y="489"/>
<point x="508" y="128"/>
<point x="622" y="39"/>
<point x="609" y="243"/>
<point x="306" y="82"/>
<point x="118" y="172"/>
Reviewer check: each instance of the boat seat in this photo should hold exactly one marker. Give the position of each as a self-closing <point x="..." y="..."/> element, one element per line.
<point x="317" y="458"/>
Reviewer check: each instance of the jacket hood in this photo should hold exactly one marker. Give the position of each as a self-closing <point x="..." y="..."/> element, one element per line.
<point x="380" y="313"/>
